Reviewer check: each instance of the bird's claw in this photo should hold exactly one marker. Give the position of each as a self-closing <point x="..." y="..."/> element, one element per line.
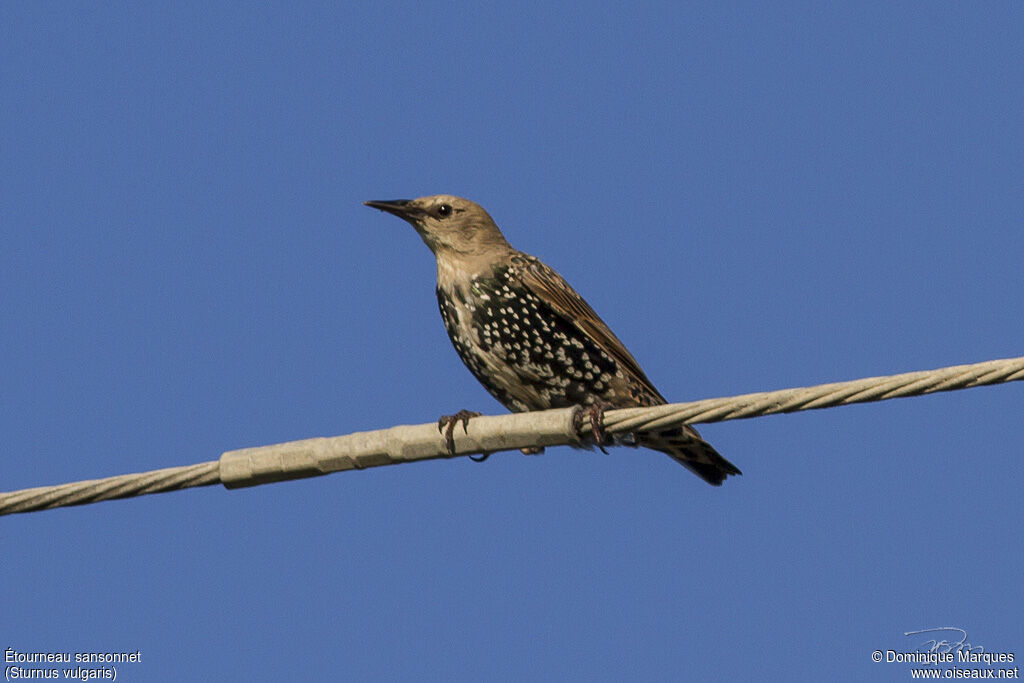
<point x="447" y="424"/>
<point x="594" y="413"/>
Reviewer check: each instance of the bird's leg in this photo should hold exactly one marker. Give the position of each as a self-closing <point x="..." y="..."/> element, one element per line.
<point x="595" y="413"/>
<point x="447" y="424"/>
<point x="532" y="450"/>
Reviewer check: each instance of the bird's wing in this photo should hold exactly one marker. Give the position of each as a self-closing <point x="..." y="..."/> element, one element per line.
<point x="552" y="288"/>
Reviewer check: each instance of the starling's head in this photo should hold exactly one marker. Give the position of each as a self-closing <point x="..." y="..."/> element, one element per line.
<point x="452" y="227"/>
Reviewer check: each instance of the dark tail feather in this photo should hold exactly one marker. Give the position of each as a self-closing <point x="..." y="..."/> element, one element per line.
<point x="685" y="446"/>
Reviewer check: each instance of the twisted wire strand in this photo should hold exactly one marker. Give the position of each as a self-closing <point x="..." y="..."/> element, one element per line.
<point x="110" y="488"/>
<point x="816" y="397"/>
<point x="487" y="434"/>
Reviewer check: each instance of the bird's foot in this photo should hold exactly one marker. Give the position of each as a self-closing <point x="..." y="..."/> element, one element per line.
<point x="447" y="424"/>
<point x="532" y="450"/>
<point x="594" y="413"/>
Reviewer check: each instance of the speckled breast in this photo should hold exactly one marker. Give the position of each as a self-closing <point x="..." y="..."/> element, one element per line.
<point x="525" y="354"/>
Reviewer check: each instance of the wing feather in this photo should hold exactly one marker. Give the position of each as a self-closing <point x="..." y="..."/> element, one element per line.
<point x="552" y="288"/>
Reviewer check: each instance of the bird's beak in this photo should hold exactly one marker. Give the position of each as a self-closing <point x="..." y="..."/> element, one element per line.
<point x="397" y="207"/>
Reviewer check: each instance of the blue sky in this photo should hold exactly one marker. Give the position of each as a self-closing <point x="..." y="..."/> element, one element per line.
<point x="753" y="196"/>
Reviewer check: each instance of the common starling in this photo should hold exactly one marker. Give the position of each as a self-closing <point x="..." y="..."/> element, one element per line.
<point x="530" y="339"/>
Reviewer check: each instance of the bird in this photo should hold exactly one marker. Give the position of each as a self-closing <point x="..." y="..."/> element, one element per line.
<point x="529" y="337"/>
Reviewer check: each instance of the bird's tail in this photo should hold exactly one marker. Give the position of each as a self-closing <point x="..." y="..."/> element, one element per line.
<point x="685" y="446"/>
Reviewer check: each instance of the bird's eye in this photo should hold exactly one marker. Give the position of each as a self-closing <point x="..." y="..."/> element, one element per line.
<point x="444" y="210"/>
